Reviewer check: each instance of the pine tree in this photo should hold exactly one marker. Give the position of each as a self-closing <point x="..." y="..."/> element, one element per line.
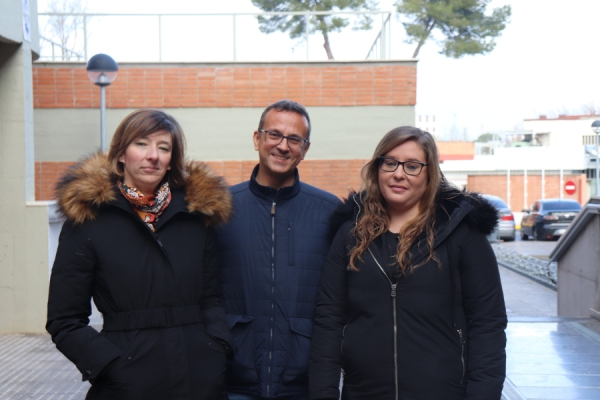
<point x="465" y="27"/>
<point x="296" y="25"/>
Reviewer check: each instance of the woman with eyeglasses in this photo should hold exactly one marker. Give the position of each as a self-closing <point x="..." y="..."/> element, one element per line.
<point x="139" y="240"/>
<point x="410" y="303"/>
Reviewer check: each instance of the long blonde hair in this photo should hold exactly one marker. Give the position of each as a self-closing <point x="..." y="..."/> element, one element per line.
<point x="373" y="219"/>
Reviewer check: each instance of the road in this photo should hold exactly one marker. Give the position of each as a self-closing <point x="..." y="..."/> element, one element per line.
<point x="538" y="249"/>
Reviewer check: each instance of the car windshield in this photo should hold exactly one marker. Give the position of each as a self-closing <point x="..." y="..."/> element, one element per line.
<point x="497" y="202"/>
<point x="561" y="206"/>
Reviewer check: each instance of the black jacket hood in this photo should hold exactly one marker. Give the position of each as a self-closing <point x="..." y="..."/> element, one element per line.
<point x="452" y="206"/>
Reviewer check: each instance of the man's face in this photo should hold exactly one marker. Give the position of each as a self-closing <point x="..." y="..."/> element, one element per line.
<point x="278" y="161"/>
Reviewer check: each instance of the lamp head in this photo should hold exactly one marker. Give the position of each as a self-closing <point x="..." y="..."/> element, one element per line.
<point x="102" y="69"/>
<point x="596" y="126"/>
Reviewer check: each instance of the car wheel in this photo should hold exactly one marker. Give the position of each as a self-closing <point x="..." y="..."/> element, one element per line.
<point x="508" y="239"/>
<point x="524" y="236"/>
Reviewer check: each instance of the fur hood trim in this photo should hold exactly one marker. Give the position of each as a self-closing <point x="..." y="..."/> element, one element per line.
<point x="87" y="186"/>
<point x="482" y="216"/>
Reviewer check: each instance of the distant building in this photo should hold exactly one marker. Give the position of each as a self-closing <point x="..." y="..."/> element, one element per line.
<point x="523" y="165"/>
<point x="565" y="130"/>
<point x="429" y="124"/>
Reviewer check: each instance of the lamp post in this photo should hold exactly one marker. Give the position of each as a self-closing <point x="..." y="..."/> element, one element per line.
<point x="596" y="129"/>
<point x="102" y="70"/>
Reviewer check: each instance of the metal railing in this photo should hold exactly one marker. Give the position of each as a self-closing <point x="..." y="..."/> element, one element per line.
<point x="382" y="46"/>
<point x="379" y="50"/>
<point x="65" y="53"/>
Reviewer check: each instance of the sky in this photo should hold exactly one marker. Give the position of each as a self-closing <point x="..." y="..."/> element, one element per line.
<point x="545" y="63"/>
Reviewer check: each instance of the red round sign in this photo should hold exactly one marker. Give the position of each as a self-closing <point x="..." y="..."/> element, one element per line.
<point x="570" y="187"/>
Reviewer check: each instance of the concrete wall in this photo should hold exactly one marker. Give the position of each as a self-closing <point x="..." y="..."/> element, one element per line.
<point x="11" y="24"/>
<point x="24" y="227"/>
<point x="579" y="274"/>
<point x="222" y="133"/>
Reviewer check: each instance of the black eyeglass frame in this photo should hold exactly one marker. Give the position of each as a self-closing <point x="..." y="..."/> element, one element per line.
<point x="304" y="141"/>
<point x="381" y="159"/>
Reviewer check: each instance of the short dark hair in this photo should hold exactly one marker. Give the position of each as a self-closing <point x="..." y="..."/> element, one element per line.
<point x="286" y="105"/>
<point x="142" y="123"/>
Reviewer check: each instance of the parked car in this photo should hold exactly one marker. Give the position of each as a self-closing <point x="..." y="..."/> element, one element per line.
<point x="506" y="224"/>
<point x="548" y="218"/>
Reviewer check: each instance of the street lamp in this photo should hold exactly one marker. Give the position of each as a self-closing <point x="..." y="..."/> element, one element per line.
<point x="596" y="129"/>
<point x="102" y="70"/>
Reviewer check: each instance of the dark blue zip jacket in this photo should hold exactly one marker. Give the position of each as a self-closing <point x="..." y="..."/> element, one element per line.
<point x="271" y="253"/>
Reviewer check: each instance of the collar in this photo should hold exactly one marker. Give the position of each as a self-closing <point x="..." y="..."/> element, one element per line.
<point x="88" y="185"/>
<point x="176" y="205"/>
<point x="271" y="194"/>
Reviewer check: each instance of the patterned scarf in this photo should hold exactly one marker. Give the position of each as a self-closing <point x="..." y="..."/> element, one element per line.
<point x="149" y="208"/>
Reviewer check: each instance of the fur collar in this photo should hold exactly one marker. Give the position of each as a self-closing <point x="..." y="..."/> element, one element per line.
<point x="480" y="214"/>
<point x="87" y="186"/>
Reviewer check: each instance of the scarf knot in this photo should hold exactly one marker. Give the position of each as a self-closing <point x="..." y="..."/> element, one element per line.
<point x="149" y="208"/>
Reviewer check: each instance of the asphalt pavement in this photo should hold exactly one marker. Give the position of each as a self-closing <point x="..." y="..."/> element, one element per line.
<point x="530" y="247"/>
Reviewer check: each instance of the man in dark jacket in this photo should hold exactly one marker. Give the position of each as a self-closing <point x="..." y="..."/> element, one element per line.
<point x="272" y="252"/>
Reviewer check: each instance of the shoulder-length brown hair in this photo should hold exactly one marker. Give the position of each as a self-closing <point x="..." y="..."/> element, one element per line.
<point x="373" y="219"/>
<point x="142" y="123"/>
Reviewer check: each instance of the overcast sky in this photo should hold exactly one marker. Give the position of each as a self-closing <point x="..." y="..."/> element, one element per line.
<point x="545" y="62"/>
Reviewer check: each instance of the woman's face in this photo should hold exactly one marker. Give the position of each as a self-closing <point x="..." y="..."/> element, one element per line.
<point x="146" y="161"/>
<point x="401" y="191"/>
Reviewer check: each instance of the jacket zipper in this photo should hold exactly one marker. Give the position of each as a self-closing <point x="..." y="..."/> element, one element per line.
<point x="462" y="354"/>
<point x="272" y="295"/>
<point x="394" y="285"/>
<point x="342" y="351"/>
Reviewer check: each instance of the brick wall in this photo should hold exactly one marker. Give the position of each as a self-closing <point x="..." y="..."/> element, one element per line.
<point x="66" y="85"/>
<point x="339" y="176"/>
<point x="335" y="176"/>
<point x="456" y="150"/>
<point x="46" y="176"/>
<point x="496" y="185"/>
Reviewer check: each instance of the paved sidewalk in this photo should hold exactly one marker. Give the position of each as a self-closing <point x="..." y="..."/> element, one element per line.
<point x="548" y="357"/>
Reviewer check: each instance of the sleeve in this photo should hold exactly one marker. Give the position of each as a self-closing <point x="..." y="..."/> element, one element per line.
<point x="69" y="305"/>
<point x="330" y="319"/>
<point x="485" y="313"/>
<point x="213" y="313"/>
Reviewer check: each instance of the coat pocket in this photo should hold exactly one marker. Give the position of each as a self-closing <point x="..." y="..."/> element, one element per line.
<point x="298" y="354"/>
<point x="242" y="369"/>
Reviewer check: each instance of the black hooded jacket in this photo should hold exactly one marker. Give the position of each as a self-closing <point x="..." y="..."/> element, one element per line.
<point x="437" y="333"/>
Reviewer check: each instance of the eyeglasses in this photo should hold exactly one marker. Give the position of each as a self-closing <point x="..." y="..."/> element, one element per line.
<point x="294" y="142"/>
<point x="389" y="164"/>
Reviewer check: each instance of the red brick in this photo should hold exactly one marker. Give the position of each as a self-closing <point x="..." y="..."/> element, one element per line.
<point x="136" y="81"/>
<point x="116" y="93"/>
<point x="327" y="85"/>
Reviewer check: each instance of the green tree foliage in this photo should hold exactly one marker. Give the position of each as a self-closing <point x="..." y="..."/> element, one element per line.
<point x="465" y="27"/>
<point x="296" y="25"/>
<point x="484" y="138"/>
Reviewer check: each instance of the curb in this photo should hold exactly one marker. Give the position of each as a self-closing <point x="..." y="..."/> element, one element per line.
<point x="525" y="274"/>
<point x="584" y="331"/>
<point x="510" y="391"/>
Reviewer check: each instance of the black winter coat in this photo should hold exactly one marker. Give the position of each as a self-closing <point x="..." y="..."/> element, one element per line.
<point x="438" y="334"/>
<point x="165" y="335"/>
<point x="272" y="253"/>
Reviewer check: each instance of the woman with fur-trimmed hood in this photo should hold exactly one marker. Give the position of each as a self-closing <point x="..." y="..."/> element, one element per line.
<point x="410" y="302"/>
<point x="138" y="239"/>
